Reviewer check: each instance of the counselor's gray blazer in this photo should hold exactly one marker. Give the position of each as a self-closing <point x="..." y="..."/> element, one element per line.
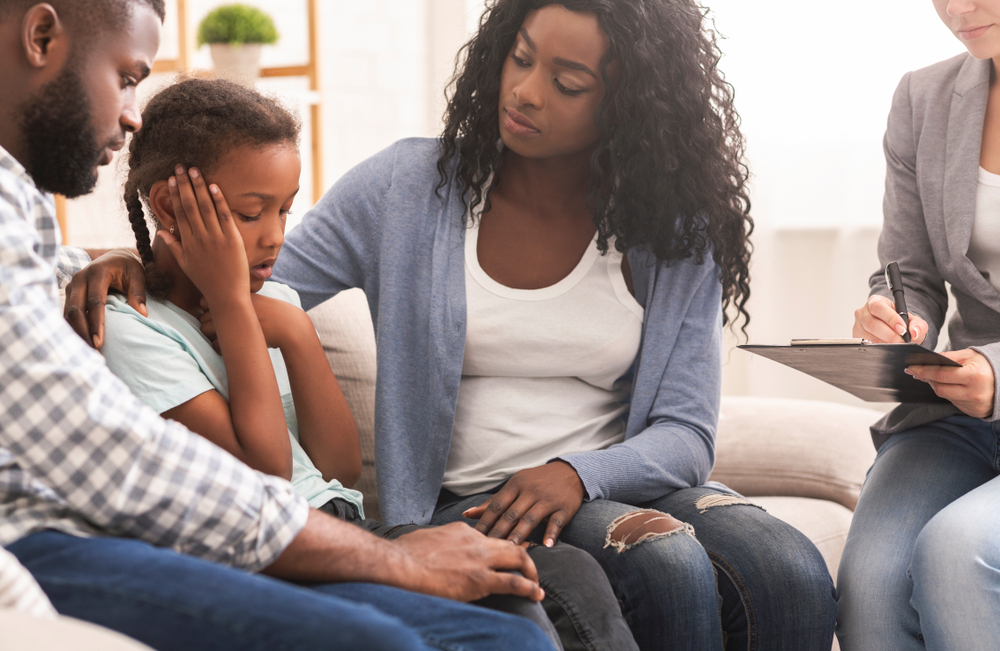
<point x="932" y="145"/>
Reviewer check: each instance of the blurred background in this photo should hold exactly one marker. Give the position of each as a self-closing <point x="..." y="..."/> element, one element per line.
<point x="813" y="84"/>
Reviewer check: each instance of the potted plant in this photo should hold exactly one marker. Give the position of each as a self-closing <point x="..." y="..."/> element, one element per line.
<point x="235" y="33"/>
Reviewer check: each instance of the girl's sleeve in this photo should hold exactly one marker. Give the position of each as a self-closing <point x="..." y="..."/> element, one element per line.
<point x="336" y="245"/>
<point x="904" y="236"/>
<point x="679" y="378"/>
<point x="156" y="368"/>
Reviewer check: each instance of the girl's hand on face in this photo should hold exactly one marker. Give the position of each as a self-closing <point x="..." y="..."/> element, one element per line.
<point x="207" y="244"/>
<point x="552" y="492"/>
<point x="279" y="321"/>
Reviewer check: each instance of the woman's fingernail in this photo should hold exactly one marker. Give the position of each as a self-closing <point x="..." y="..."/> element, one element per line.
<point x="179" y="169"/>
<point x="172" y="182"/>
<point x="900" y="328"/>
<point x="97" y="343"/>
<point x="549" y="542"/>
<point x="193" y="173"/>
<point x="214" y="189"/>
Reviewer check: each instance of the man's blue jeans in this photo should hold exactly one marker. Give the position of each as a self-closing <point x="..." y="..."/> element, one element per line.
<point x="741" y="580"/>
<point x="921" y="568"/>
<point x="172" y="601"/>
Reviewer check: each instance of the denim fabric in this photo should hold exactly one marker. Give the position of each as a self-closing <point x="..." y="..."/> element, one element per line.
<point x="743" y="581"/>
<point x="921" y="568"/>
<point x="534" y="612"/>
<point x="171" y="601"/>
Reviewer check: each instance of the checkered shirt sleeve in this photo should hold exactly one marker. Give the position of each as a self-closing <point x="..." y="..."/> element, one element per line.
<point x="71" y="260"/>
<point x="80" y="454"/>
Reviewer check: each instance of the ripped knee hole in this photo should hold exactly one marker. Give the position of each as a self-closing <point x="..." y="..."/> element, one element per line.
<point x="706" y="502"/>
<point x="640" y="526"/>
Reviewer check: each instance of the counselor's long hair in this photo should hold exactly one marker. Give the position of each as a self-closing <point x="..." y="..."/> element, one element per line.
<point x="668" y="172"/>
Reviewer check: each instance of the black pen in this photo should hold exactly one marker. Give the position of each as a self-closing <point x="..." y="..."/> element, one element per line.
<point x="895" y="282"/>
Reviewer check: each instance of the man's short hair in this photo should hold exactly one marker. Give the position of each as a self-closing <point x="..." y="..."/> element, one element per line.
<point x="85" y="18"/>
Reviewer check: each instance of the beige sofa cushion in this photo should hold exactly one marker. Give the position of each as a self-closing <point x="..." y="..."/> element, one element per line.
<point x="19" y="632"/>
<point x="802" y="448"/>
<point x="344" y="324"/>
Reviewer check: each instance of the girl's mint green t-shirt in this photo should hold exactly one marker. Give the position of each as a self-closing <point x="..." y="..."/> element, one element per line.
<point x="165" y="360"/>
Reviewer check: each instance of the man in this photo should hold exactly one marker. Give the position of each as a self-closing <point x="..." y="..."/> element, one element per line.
<point x="131" y="521"/>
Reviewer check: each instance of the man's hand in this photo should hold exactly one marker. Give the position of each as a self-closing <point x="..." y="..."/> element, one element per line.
<point x="551" y="492"/>
<point x="87" y="293"/>
<point x="457" y="562"/>
<point x="878" y="322"/>
<point x="453" y="561"/>
<point x="970" y="388"/>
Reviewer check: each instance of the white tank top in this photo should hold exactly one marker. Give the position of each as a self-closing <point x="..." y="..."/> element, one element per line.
<point x="984" y="245"/>
<point x="542" y="372"/>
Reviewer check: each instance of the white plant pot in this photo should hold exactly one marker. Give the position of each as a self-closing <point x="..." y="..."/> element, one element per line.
<point x="239" y="63"/>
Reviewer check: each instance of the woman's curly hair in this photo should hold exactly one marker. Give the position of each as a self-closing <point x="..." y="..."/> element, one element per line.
<point x="195" y="122"/>
<point x="668" y="172"/>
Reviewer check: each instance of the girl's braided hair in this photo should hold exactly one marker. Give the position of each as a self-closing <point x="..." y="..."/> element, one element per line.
<point x="195" y="122"/>
<point x="668" y="172"/>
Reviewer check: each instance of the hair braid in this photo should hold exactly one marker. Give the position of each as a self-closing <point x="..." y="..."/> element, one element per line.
<point x="137" y="218"/>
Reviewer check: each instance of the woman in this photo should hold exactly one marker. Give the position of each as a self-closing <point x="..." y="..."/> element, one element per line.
<point x="548" y="282"/>
<point x="920" y="566"/>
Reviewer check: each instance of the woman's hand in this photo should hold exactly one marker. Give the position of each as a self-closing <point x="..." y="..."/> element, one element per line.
<point x="878" y="322"/>
<point x="207" y="244"/>
<point x="553" y="491"/>
<point x="87" y="293"/>
<point x="970" y="388"/>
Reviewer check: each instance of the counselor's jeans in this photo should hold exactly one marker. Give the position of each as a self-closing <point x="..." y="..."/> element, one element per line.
<point x="743" y="580"/>
<point x="921" y="567"/>
<point x="172" y="601"/>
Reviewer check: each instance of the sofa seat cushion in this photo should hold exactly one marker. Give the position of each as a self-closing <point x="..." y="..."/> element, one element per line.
<point x="801" y="448"/>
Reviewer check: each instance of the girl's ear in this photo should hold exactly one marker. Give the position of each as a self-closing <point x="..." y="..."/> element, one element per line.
<point x="162" y="206"/>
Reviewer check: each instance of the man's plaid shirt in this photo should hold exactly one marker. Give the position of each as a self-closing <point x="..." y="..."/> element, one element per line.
<point x="78" y="453"/>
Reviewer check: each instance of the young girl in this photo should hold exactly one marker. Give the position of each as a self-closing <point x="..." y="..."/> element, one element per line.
<point x="207" y="269"/>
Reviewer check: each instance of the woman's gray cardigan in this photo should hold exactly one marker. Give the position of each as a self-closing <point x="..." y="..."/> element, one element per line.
<point x="383" y="228"/>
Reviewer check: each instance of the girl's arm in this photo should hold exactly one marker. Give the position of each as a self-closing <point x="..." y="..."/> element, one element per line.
<point x="327" y="430"/>
<point x="210" y="251"/>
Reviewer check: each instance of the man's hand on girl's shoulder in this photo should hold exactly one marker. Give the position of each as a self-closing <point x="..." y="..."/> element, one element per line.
<point x="87" y="292"/>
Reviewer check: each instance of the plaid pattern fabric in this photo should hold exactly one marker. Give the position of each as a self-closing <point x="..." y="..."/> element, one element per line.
<point x="78" y="453"/>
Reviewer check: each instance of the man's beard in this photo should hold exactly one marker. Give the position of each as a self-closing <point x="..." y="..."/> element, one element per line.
<point x="61" y="141"/>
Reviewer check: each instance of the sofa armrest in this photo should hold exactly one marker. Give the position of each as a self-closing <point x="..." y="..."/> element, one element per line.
<point x="799" y="448"/>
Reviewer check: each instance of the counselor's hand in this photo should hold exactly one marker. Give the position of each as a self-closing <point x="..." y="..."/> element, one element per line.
<point x="87" y="293"/>
<point x="970" y="388"/>
<point x="878" y="322"/>
<point x="551" y="492"/>
<point x="457" y="562"/>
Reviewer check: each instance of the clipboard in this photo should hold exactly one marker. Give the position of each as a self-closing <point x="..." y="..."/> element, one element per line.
<point x="872" y="372"/>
